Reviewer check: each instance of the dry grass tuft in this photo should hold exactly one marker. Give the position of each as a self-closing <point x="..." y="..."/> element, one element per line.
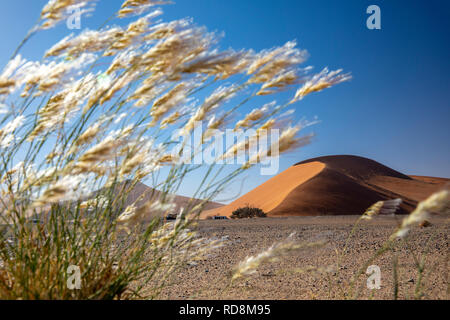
<point x="98" y="114"/>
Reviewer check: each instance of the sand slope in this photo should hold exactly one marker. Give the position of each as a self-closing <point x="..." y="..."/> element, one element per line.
<point x="271" y="193"/>
<point x="141" y="193"/>
<point x="334" y="185"/>
<point x="138" y="195"/>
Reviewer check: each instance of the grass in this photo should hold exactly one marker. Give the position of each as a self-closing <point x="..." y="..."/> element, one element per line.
<point x="101" y="112"/>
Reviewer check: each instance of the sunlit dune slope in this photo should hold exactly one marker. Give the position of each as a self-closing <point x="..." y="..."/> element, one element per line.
<point x="271" y="193"/>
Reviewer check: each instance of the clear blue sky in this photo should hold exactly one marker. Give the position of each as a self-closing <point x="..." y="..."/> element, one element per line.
<point x="396" y="110"/>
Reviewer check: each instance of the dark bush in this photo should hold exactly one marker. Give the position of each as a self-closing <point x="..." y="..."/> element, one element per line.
<point x="248" y="212"/>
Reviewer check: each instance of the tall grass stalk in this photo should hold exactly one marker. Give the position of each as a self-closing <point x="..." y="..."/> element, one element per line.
<point x="98" y="114"/>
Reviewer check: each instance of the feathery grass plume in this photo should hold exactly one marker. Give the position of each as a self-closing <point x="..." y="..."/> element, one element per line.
<point x="137" y="7"/>
<point x="254" y="115"/>
<point x="144" y="160"/>
<point x="168" y="54"/>
<point x="175" y="97"/>
<point x="65" y="189"/>
<point x="382" y="207"/>
<point x="268" y="64"/>
<point x="164" y="30"/>
<point x="278" y="83"/>
<point x="212" y="102"/>
<point x="7" y="136"/>
<point x="250" y="264"/>
<point x="214" y="124"/>
<point x="286" y="142"/>
<point x="222" y="65"/>
<point x="89" y="134"/>
<point x="437" y="203"/>
<point x="135" y="30"/>
<point x="45" y="78"/>
<point x="87" y="41"/>
<point x="100" y="152"/>
<point x="323" y="80"/>
<point x="133" y="214"/>
<point x="61" y="107"/>
<point x="269" y="124"/>
<point x="99" y="202"/>
<point x="239" y="147"/>
<point x="8" y="78"/>
<point x="56" y="10"/>
<point x="170" y="119"/>
<point x="84" y="122"/>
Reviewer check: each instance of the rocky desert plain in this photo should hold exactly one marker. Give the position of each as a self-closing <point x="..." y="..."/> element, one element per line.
<point x="311" y="273"/>
<point x="320" y="200"/>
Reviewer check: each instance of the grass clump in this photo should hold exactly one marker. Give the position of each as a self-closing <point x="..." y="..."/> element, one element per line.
<point x="81" y="127"/>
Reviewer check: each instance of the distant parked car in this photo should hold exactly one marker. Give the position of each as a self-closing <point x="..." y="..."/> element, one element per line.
<point x="220" y="218"/>
<point x="171" y="216"/>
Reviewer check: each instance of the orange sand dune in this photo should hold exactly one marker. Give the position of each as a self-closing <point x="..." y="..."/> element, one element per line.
<point x="333" y="185"/>
<point x="269" y="195"/>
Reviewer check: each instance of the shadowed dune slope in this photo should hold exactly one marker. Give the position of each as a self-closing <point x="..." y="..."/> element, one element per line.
<point x="138" y="195"/>
<point x="142" y="193"/>
<point x="334" y="185"/>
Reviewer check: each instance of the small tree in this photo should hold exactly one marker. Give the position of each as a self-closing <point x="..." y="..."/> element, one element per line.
<point x="248" y="212"/>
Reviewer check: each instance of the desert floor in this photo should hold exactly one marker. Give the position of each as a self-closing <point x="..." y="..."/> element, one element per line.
<point x="312" y="273"/>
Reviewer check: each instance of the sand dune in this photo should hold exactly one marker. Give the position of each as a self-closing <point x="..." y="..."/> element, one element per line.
<point x="334" y="185"/>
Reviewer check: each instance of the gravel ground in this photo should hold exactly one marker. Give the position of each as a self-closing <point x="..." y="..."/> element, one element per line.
<point x="312" y="273"/>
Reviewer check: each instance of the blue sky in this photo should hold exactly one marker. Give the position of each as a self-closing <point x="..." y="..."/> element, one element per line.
<point x="396" y="110"/>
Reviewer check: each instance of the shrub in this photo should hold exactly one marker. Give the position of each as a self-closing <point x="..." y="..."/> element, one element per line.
<point x="248" y="212"/>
